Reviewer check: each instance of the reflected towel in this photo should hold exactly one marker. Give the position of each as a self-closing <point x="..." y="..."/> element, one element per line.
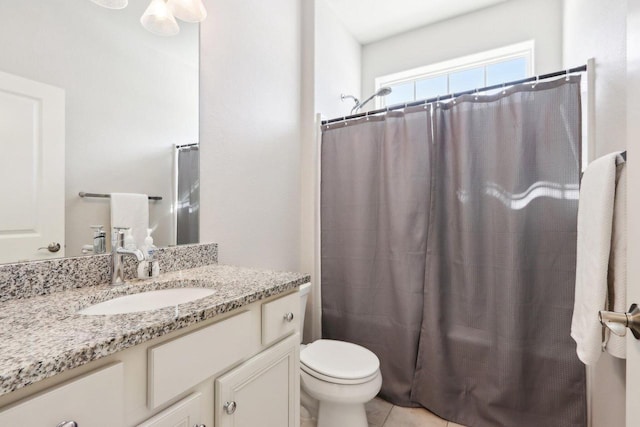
<point x="595" y="220"/>
<point x="131" y="210"/>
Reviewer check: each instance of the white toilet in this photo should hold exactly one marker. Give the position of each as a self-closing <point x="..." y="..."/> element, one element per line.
<point x="337" y="378"/>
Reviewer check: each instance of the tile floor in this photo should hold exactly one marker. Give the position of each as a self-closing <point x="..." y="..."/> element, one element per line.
<point x="384" y="414"/>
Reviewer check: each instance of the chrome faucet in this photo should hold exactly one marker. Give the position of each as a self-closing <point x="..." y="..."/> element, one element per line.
<point x="117" y="255"/>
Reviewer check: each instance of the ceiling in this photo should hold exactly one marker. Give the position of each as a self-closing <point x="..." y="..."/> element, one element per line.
<point x="372" y="20"/>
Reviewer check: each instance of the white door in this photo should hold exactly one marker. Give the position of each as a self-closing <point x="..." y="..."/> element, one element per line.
<point x="264" y="391"/>
<point x="633" y="205"/>
<point x="32" y="140"/>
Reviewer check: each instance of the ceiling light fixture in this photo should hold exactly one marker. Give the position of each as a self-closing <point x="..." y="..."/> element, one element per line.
<point x="188" y="10"/>
<point x="159" y="20"/>
<point x="160" y="16"/>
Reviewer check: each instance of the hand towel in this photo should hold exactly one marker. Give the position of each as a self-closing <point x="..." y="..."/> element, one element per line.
<point x="617" y="284"/>
<point x="595" y="220"/>
<point x="131" y="210"/>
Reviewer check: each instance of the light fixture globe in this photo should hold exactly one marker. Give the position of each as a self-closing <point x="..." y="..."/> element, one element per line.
<point x="188" y="10"/>
<point x="159" y="20"/>
<point x="112" y="4"/>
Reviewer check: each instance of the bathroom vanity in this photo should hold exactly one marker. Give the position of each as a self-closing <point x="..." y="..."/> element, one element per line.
<point x="228" y="359"/>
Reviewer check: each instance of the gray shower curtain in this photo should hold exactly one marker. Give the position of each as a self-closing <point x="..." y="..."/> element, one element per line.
<point x="495" y="348"/>
<point x="188" y="195"/>
<point x="448" y="249"/>
<point x="375" y="199"/>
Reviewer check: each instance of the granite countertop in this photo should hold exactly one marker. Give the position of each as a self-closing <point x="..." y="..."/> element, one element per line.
<point x="43" y="335"/>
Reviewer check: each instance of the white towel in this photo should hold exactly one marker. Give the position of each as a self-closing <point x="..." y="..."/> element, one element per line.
<point x="131" y="210"/>
<point x="595" y="219"/>
<point x="617" y="283"/>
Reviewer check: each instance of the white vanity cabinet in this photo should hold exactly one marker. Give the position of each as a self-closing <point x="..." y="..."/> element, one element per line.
<point x="184" y="379"/>
<point x="262" y="391"/>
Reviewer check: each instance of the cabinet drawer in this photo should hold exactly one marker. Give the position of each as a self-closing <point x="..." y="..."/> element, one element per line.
<point x="280" y="317"/>
<point x="95" y="399"/>
<point x="178" y="365"/>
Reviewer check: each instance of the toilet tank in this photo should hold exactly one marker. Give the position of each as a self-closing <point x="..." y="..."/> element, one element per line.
<point x="304" y="294"/>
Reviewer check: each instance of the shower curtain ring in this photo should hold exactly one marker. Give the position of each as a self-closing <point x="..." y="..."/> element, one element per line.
<point x="504" y="88"/>
<point x="567" y="75"/>
<point x="477" y="92"/>
<point x="366" y="115"/>
<point x="536" y="82"/>
<point x="438" y="101"/>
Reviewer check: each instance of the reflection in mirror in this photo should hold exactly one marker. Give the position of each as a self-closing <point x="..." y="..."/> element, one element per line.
<point x="90" y="102"/>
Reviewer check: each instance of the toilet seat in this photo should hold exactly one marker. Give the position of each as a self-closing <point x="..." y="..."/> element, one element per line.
<point x="339" y="362"/>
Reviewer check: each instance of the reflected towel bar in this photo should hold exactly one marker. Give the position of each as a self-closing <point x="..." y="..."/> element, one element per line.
<point x="107" y="196"/>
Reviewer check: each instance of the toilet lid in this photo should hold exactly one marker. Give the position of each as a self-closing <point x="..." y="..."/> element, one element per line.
<point x="339" y="359"/>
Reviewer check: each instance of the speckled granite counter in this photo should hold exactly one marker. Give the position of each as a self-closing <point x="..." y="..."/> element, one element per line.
<point x="43" y="335"/>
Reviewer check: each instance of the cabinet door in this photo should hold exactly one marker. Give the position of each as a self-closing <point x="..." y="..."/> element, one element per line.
<point x="185" y="413"/>
<point x="264" y="391"/>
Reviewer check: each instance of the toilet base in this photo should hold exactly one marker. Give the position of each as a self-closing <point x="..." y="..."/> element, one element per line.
<point x="331" y="414"/>
<point x="337" y="405"/>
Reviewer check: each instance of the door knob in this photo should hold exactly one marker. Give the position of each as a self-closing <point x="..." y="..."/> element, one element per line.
<point x="617" y="321"/>
<point x="53" y="247"/>
<point x="230" y="407"/>
<point x="288" y="317"/>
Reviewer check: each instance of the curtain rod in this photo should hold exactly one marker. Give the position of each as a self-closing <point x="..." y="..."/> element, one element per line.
<point x="579" y="69"/>
<point x="195" y="144"/>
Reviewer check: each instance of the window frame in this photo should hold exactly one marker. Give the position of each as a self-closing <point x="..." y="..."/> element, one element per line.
<point x="524" y="50"/>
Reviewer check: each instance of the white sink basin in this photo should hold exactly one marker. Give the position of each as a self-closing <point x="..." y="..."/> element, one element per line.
<point x="145" y="301"/>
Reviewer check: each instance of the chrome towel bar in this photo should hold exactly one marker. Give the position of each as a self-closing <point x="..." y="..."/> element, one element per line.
<point x="107" y="196"/>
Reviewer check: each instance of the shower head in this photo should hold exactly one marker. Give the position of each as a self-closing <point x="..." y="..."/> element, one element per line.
<point x="383" y="91"/>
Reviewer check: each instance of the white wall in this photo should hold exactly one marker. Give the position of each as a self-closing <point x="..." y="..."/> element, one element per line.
<point x="130" y="95"/>
<point x="504" y="24"/>
<point x="250" y="73"/>
<point x="597" y="29"/>
<point x="337" y="63"/>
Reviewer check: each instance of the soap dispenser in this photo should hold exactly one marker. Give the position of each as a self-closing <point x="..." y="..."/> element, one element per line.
<point x="149" y="267"/>
<point x="99" y="239"/>
<point x="129" y="240"/>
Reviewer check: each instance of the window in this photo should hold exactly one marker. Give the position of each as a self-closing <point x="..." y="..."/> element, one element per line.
<point x="505" y="64"/>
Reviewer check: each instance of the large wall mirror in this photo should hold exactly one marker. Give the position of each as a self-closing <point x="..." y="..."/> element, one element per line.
<point x="92" y="102"/>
